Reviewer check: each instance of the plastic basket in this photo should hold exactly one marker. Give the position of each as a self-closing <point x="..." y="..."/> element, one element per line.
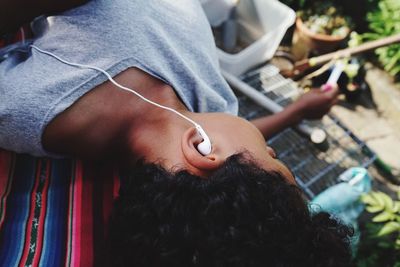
<point x="266" y="20"/>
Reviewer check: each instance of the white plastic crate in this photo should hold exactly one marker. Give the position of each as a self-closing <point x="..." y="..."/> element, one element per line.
<point x="217" y="11"/>
<point x="262" y="23"/>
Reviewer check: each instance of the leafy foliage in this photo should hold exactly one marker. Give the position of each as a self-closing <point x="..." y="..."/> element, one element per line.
<point x="388" y="213"/>
<point x="324" y="18"/>
<point x="382" y="17"/>
<point x="385" y="21"/>
<point x="380" y="245"/>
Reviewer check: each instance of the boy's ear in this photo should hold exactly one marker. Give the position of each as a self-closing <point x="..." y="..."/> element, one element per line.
<point x="189" y="141"/>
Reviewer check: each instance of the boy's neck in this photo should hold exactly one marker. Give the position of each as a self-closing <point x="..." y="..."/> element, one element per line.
<point x="101" y="123"/>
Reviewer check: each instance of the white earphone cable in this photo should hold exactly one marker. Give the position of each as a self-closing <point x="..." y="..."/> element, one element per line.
<point x="116" y="84"/>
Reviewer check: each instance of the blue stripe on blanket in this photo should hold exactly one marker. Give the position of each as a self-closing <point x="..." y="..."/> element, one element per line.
<point x="56" y="224"/>
<point x="12" y="236"/>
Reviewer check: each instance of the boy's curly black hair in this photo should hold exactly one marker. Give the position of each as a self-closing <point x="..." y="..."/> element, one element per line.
<point x="241" y="215"/>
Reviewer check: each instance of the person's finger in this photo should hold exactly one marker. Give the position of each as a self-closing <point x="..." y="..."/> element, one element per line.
<point x="332" y="91"/>
<point x="326" y="87"/>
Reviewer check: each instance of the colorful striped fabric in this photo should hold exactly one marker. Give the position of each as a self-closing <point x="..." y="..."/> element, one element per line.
<point x="53" y="212"/>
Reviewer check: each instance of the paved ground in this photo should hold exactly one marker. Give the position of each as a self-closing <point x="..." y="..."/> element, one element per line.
<point x="375" y="117"/>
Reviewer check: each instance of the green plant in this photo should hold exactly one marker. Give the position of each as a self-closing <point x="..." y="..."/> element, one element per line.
<point x="389" y="213"/>
<point x="385" y="21"/>
<point x="380" y="240"/>
<point x="326" y="19"/>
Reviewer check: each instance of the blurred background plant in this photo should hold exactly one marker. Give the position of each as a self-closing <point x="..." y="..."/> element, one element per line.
<point x="385" y="21"/>
<point x="380" y="226"/>
<point x="380" y="243"/>
<point x="372" y="19"/>
<point x="358" y="15"/>
<point x="324" y="18"/>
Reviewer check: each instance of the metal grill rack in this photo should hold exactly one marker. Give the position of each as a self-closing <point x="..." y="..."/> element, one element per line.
<point x="315" y="170"/>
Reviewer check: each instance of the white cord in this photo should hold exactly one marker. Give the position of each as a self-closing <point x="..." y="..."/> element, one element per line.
<point x="116" y="84"/>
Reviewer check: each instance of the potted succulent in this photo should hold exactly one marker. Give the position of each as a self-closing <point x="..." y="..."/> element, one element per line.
<point x="319" y="29"/>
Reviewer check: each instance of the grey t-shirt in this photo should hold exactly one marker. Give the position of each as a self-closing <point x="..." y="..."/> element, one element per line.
<point x="169" y="39"/>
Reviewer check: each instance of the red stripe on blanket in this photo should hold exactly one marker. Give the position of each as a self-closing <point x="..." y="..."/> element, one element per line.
<point x="7" y="161"/>
<point x="76" y="215"/>
<point x="87" y="225"/>
<point x="71" y="201"/>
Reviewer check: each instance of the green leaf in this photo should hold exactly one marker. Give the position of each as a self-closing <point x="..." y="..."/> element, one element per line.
<point x="383" y="217"/>
<point x="387" y="201"/>
<point x="368" y="199"/>
<point x="384" y="244"/>
<point x="371" y="36"/>
<point x="396" y="207"/>
<point x="394" y="71"/>
<point x="389" y="228"/>
<point x="374" y="209"/>
<point x="393" y="61"/>
<point x="378" y="198"/>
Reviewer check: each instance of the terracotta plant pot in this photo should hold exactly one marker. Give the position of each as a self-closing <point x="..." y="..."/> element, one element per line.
<point x="305" y="41"/>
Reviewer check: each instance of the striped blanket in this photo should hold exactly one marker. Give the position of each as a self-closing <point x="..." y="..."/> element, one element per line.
<point x="53" y="212"/>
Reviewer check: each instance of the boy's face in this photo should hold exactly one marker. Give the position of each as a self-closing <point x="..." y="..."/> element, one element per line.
<point x="229" y="135"/>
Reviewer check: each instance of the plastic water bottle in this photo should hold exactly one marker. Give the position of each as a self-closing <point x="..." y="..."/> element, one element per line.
<point x="343" y="199"/>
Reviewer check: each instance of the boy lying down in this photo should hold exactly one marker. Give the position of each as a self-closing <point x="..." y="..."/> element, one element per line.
<point x="233" y="205"/>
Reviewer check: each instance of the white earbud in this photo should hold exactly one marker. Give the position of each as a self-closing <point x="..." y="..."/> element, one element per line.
<point x="205" y="146"/>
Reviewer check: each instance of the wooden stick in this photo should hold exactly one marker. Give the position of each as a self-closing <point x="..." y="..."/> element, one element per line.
<point x="303" y="65"/>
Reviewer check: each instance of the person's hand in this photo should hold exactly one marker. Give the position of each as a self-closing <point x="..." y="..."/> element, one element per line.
<point x="316" y="103"/>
